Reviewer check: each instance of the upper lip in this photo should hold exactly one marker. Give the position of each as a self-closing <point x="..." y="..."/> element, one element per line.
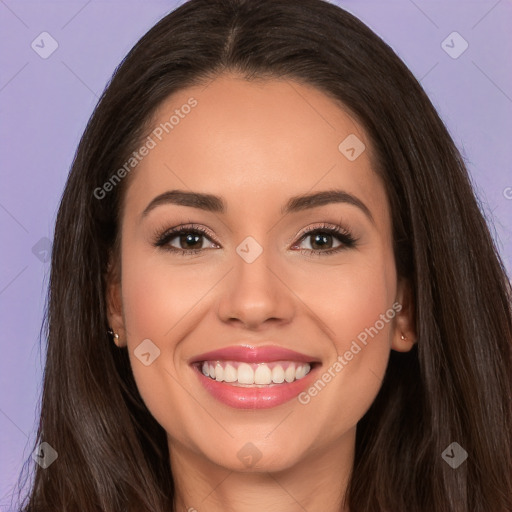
<point x="251" y="354"/>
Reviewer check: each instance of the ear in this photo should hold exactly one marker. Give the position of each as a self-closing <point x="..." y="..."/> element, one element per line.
<point x="114" y="301"/>
<point x="404" y="333"/>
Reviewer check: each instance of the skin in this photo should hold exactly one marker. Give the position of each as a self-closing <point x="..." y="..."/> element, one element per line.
<point x="256" y="144"/>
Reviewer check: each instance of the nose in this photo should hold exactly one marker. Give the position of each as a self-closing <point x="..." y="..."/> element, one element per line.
<point x="256" y="294"/>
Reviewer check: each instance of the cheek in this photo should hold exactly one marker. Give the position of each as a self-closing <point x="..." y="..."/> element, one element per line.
<point x="349" y="299"/>
<point x="161" y="302"/>
<point x="156" y="302"/>
<point x="360" y="318"/>
<point x="156" y="296"/>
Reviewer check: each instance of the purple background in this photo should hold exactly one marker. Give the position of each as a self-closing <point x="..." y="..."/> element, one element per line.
<point x="45" y="104"/>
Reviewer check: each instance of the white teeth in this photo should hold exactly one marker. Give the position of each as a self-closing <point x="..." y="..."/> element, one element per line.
<point x="230" y="374"/>
<point x="278" y="374"/>
<point x="245" y="374"/>
<point x="263" y="375"/>
<point x="219" y="372"/>
<point x="289" y="374"/>
<point x="257" y="373"/>
<point x="301" y="372"/>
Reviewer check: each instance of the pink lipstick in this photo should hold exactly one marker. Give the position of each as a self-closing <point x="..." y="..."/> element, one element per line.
<point x="246" y="377"/>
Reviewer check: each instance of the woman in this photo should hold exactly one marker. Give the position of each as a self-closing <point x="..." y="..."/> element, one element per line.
<point x="201" y="354"/>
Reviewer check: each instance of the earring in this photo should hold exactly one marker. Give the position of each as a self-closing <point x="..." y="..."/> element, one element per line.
<point x="405" y="337"/>
<point x="115" y="336"/>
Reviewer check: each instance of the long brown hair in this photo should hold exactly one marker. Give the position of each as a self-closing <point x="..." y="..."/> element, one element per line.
<point x="454" y="386"/>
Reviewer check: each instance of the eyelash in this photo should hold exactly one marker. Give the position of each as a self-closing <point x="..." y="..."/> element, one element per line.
<point x="343" y="235"/>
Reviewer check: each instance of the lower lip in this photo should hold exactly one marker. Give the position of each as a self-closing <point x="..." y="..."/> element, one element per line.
<point x="263" y="397"/>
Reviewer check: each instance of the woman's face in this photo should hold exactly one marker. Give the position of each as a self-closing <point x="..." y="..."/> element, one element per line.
<point x="272" y="297"/>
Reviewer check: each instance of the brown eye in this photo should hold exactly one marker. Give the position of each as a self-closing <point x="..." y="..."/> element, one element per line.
<point x="190" y="241"/>
<point x="321" y="241"/>
<point x="327" y="240"/>
<point x="184" y="239"/>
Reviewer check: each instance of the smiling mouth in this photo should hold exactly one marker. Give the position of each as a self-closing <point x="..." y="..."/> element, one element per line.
<point x="242" y="374"/>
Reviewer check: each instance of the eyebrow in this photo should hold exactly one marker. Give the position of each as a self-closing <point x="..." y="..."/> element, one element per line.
<point x="216" y="204"/>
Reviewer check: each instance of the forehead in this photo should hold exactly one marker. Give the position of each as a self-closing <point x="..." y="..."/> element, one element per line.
<point x="255" y="143"/>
